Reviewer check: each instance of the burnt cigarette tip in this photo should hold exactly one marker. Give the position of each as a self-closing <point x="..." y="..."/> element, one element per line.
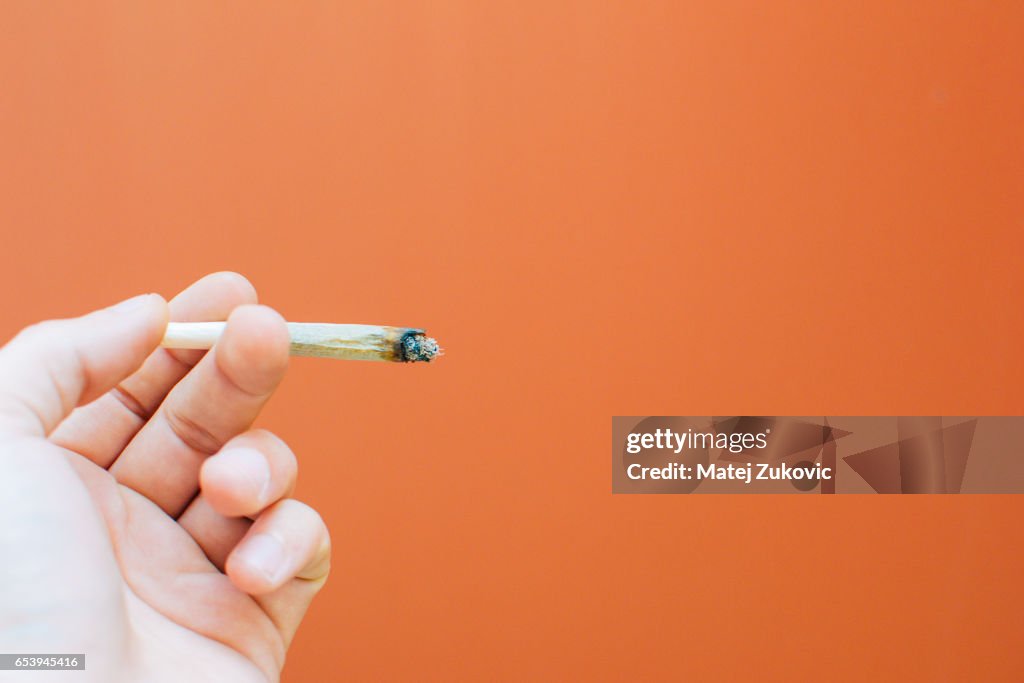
<point x="418" y="347"/>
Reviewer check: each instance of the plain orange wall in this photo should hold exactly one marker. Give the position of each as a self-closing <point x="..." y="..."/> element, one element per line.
<point x="600" y="208"/>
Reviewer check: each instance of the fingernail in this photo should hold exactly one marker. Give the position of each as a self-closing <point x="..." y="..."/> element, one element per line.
<point x="265" y="554"/>
<point x="129" y="305"/>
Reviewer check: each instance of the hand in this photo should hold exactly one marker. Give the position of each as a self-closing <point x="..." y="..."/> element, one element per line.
<point x="142" y="521"/>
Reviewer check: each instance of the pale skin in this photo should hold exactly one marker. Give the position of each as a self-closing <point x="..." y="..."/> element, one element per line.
<point x="143" y="521"/>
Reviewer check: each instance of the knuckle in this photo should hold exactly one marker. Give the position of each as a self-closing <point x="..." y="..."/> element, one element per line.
<point x="297" y="510"/>
<point x="306" y="516"/>
<point x="191" y="433"/>
<point x="273" y="440"/>
<point x="36" y="333"/>
<point x="237" y="282"/>
<point x="272" y="447"/>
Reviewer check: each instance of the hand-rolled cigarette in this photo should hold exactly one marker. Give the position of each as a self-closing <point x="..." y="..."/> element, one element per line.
<point x="347" y="342"/>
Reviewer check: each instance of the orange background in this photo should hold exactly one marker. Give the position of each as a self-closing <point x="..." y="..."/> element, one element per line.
<point x="600" y="208"/>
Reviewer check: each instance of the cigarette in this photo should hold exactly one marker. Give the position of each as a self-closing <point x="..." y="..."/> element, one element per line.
<point x="324" y="340"/>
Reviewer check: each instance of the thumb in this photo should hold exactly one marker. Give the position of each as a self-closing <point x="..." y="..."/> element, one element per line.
<point x="52" y="367"/>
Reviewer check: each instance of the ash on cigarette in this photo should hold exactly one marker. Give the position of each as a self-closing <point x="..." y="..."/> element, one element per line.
<point x="419" y="347"/>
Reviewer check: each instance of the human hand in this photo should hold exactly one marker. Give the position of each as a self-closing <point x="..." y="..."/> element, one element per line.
<point x="150" y="527"/>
